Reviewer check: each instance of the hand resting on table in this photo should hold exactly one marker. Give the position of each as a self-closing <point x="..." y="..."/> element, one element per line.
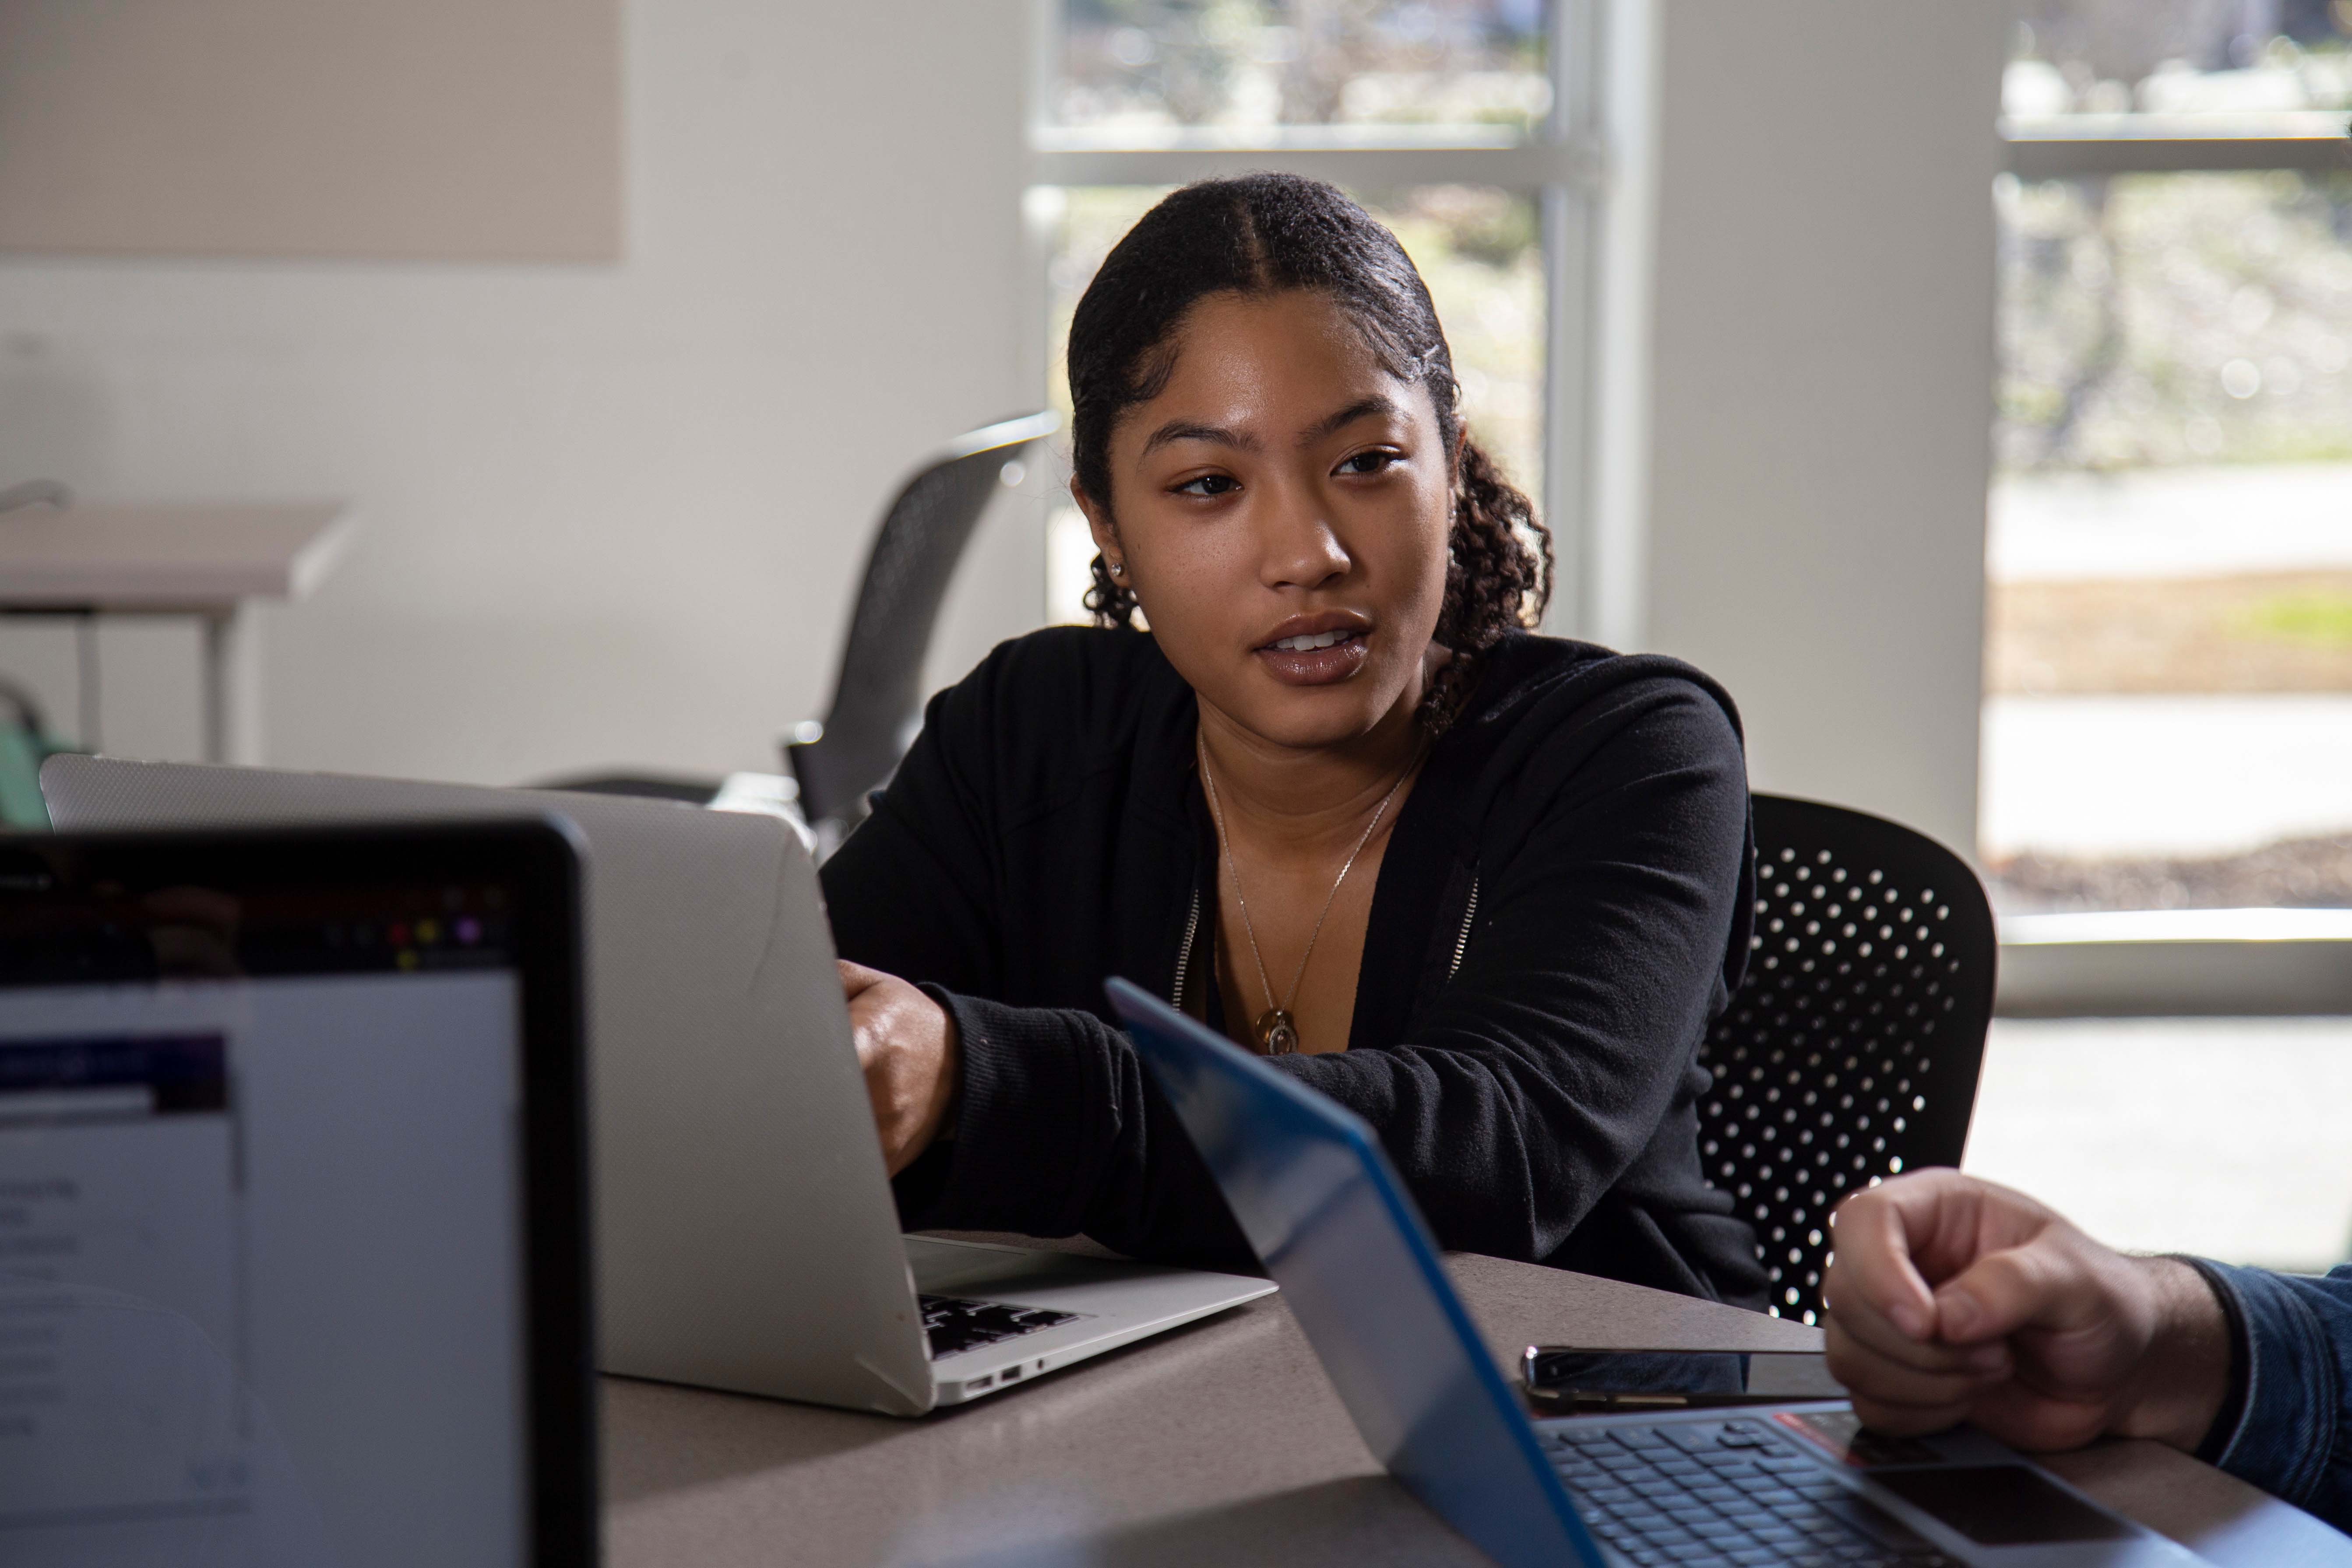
<point x="1953" y="1299"/>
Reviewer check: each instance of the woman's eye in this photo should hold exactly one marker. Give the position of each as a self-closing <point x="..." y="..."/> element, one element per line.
<point x="1371" y="462"/>
<point x="1209" y="484"/>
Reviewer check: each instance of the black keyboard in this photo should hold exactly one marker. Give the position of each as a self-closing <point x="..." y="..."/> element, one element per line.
<point x="953" y="1324"/>
<point x="1724" y="1492"/>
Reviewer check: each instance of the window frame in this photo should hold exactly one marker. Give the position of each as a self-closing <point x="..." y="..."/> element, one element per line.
<point x="2208" y="964"/>
<point x="2069" y="146"/>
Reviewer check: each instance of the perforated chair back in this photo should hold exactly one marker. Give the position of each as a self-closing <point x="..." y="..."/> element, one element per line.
<point x="878" y="694"/>
<point x="1850" y="1050"/>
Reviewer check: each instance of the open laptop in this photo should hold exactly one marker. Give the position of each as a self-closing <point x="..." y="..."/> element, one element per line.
<point x="746" y="1236"/>
<point x="1799" y="1484"/>
<point x="293" y="1267"/>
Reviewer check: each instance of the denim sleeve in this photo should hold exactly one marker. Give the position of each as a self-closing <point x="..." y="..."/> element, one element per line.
<point x="2293" y="1432"/>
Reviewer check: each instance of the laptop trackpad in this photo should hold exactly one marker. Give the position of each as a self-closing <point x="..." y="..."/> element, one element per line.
<point x="2002" y="1505"/>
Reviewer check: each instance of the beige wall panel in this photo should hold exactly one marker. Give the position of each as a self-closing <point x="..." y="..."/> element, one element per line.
<point x="608" y="517"/>
<point x="1820" y="386"/>
<point x="430" y="130"/>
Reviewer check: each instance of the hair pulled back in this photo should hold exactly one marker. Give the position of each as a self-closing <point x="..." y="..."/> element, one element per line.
<point x="1264" y="233"/>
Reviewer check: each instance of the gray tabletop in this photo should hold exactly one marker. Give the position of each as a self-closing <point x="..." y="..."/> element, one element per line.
<point x="1220" y="1443"/>
<point x="168" y="557"/>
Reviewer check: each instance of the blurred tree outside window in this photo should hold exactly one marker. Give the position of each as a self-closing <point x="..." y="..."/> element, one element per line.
<point x="2245" y="60"/>
<point x="2168" y="716"/>
<point x="1147" y="66"/>
<point x="2168" y="659"/>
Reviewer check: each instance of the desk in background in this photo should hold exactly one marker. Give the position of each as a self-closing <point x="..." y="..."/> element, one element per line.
<point x="208" y="562"/>
<point x="1220" y="1442"/>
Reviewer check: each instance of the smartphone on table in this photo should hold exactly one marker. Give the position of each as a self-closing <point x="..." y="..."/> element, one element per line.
<point x="1565" y="1380"/>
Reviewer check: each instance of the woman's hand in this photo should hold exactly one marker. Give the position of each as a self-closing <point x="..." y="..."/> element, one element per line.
<point x="906" y="1047"/>
<point x="1953" y="1299"/>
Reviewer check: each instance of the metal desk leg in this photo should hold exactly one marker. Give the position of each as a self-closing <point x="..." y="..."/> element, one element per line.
<point x="216" y="688"/>
<point x="232" y="721"/>
<point x="87" y="696"/>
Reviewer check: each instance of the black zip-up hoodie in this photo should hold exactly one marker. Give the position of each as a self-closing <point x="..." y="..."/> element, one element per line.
<point x="1564" y="908"/>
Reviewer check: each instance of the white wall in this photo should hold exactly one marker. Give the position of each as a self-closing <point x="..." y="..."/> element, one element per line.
<point x="1819" y="382"/>
<point x="611" y="514"/>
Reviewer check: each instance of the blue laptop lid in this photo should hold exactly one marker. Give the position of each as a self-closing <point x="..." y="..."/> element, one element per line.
<point x="1328" y="1214"/>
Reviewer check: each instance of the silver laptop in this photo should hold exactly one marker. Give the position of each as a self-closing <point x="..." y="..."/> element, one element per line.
<point x="745" y="1233"/>
<point x="1799" y="1484"/>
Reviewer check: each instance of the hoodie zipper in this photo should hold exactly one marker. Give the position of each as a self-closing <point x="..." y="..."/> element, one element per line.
<point x="1462" y="942"/>
<point x="1184" y="952"/>
<point x="1193" y="927"/>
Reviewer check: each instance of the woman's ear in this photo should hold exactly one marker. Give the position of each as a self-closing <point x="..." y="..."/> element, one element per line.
<point x="1106" y="533"/>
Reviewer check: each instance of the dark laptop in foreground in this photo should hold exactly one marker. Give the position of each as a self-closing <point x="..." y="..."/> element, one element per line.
<point x="293" y="1264"/>
<point x="1799" y="1484"/>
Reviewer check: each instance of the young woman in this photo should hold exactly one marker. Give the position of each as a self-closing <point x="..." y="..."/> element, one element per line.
<point x="1486" y="889"/>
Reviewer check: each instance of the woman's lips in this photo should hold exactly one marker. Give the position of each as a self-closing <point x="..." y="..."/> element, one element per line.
<point x="1315" y="667"/>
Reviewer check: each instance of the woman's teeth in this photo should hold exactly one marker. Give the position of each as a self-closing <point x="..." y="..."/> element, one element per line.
<point x="1320" y="640"/>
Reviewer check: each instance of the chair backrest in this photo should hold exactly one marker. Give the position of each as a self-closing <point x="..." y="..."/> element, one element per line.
<point x="878" y="694"/>
<point x="1850" y="1050"/>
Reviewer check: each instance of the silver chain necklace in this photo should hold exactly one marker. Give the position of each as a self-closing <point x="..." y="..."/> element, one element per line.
<point x="1277" y="1029"/>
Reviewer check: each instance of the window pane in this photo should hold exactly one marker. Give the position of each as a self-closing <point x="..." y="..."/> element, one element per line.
<point x="2168" y="715"/>
<point x="2244" y="62"/>
<point x="1153" y="68"/>
<point x="1476" y="248"/>
<point x="2106" y="1119"/>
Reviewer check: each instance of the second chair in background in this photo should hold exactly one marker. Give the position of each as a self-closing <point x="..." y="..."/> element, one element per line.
<point x="877" y="695"/>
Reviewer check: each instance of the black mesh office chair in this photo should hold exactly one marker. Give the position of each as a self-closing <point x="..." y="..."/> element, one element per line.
<point x="877" y="696"/>
<point x="1850" y="1049"/>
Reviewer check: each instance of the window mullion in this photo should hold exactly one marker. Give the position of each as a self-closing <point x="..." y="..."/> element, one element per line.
<point x="1574" y="162"/>
<point x="2060" y="157"/>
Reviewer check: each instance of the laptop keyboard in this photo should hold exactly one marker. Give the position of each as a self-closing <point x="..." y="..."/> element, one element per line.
<point x="953" y="1324"/>
<point x="1722" y="1493"/>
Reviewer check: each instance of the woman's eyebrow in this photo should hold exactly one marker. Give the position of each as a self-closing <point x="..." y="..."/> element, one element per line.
<point x="1185" y="430"/>
<point x="1378" y="402"/>
<point x="1188" y="430"/>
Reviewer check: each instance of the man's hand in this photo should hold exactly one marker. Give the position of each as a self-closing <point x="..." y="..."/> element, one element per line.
<point x="1952" y="1299"/>
<point x="906" y="1046"/>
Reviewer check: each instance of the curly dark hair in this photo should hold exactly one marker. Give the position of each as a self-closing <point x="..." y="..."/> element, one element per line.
<point x="1264" y="233"/>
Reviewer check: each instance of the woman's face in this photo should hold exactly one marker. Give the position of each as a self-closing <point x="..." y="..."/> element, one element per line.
<point x="1281" y="509"/>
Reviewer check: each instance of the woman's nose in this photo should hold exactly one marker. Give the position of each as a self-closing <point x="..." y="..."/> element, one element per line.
<point x="1301" y="549"/>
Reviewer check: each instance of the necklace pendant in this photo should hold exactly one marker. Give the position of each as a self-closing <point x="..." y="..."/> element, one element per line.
<point x="1276" y="1032"/>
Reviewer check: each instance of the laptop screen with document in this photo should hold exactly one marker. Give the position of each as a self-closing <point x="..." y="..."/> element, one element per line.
<point x="285" y="1218"/>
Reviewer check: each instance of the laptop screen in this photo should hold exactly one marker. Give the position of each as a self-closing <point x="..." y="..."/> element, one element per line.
<point x="263" y="1251"/>
<point x="1335" y="1227"/>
